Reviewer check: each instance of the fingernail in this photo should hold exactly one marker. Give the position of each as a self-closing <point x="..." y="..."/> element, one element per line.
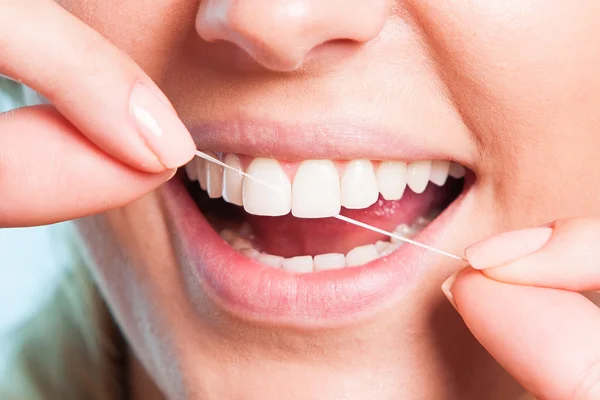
<point x="447" y="289"/>
<point x="507" y="247"/>
<point x="160" y="127"/>
<point x="171" y="174"/>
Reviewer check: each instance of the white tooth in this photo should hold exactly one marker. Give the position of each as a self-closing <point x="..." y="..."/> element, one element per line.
<point x="300" y="264"/>
<point x="394" y="240"/>
<point x="261" y="200"/>
<point x="201" y="173"/>
<point x="391" y="179"/>
<point x="439" y="172"/>
<point x="240" y="244"/>
<point x="404" y="231"/>
<point x="250" y="253"/>
<point x="359" y="185"/>
<point x="191" y="171"/>
<point x="392" y="247"/>
<point x="413" y="230"/>
<point x="316" y="190"/>
<point x="245" y="231"/>
<point x="329" y="261"/>
<point x="422" y="222"/>
<point x="232" y="181"/>
<point x="382" y="246"/>
<point x="214" y="178"/>
<point x="361" y="255"/>
<point x="270" y="260"/>
<point x="228" y="235"/>
<point x="417" y="175"/>
<point x="457" y="171"/>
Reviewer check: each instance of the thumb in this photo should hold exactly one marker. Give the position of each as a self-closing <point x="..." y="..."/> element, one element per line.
<point x="523" y="308"/>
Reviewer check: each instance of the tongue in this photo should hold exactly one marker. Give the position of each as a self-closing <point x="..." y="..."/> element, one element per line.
<point x="289" y="236"/>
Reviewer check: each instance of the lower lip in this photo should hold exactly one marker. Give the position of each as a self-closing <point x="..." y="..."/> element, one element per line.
<point x="250" y="290"/>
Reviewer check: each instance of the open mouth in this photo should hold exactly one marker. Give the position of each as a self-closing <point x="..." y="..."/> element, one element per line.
<point x="280" y="256"/>
<point x="293" y="229"/>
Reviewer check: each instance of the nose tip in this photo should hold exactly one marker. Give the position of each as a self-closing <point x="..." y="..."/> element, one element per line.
<point x="279" y="34"/>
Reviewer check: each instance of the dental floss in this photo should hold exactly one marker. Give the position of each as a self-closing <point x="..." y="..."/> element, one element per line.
<point x="398" y="237"/>
<point x="222" y="164"/>
<point x="339" y="217"/>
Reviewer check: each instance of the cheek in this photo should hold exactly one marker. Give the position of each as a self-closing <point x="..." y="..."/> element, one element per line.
<point x="149" y="32"/>
<point x="131" y="259"/>
<point x="524" y="76"/>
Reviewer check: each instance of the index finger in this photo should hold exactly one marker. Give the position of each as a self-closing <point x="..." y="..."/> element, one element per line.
<point x="99" y="89"/>
<point x="49" y="172"/>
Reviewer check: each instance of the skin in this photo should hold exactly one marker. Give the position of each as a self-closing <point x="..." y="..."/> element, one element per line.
<point x="515" y="90"/>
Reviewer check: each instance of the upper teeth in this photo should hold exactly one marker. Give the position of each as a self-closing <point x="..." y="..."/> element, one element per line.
<point x="319" y="188"/>
<point x="263" y="201"/>
<point x="316" y="190"/>
<point x="359" y="185"/>
<point x="232" y="181"/>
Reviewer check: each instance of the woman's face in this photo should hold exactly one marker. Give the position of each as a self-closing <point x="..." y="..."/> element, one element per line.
<point x="508" y="89"/>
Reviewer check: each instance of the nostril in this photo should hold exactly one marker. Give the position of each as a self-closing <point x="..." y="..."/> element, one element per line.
<point x="337" y="49"/>
<point x="338" y="44"/>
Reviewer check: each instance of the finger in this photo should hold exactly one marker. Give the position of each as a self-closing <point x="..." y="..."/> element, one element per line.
<point x="99" y="89"/>
<point x="546" y="338"/>
<point x="565" y="255"/>
<point x="49" y="172"/>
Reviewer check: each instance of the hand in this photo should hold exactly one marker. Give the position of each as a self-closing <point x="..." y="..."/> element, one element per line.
<point x="109" y="137"/>
<point x="521" y="300"/>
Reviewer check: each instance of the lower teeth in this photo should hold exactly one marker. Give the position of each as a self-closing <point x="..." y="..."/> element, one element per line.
<point x="241" y="241"/>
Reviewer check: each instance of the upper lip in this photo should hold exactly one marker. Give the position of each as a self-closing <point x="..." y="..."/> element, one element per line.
<point x="344" y="141"/>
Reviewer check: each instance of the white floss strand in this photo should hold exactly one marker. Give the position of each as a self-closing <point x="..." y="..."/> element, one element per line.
<point x="395" y="236"/>
<point x="222" y="164"/>
<point x="340" y="217"/>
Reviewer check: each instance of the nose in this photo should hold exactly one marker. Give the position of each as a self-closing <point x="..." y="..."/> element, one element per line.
<point x="280" y="34"/>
